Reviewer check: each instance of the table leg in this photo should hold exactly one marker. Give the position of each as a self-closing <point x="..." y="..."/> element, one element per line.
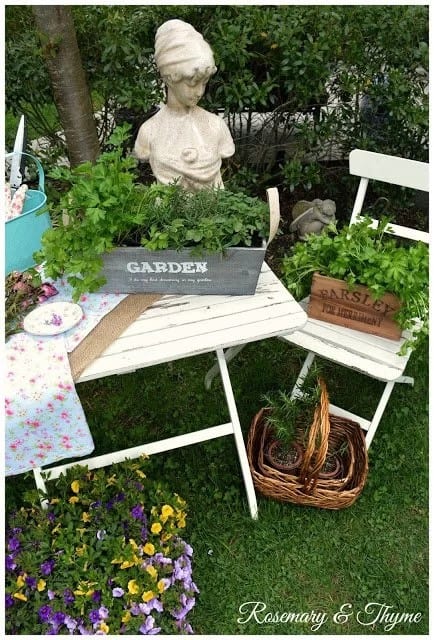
<point x="239" y="440"/>
<point x="229" y="355"/>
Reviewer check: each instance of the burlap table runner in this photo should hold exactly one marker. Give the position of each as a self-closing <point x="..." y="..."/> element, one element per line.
<point x="108" y="329"/>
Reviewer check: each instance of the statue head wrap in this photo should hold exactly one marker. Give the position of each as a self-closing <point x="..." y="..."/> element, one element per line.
<point x="181" y="51"/>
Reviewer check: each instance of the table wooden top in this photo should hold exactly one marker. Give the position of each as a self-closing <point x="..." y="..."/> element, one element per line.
<point x="182" y="326"/>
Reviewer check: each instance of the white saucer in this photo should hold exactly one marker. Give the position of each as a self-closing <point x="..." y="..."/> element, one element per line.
<point x="53" y="318"/>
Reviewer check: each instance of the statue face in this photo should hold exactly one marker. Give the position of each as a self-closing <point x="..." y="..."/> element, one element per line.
<point x="188" y="91"/>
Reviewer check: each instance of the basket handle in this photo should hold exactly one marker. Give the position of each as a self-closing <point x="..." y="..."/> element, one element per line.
<point x="41" y="174"/>
<point x="317" y="443"/>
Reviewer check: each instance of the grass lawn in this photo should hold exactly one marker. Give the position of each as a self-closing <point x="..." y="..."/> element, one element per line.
<point x="292" y="559"/>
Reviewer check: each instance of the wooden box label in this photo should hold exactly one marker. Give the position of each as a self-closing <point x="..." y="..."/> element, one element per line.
<point x="137" y="270"/>
<point x="332" y="301"/>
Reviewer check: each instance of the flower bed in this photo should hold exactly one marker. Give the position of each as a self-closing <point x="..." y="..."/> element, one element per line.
<point x="106" y="557"/>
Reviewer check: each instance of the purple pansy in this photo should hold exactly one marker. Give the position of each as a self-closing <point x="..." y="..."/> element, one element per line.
<point x="147" y="628"/>
<point x="147" y="607"/>
<point x="118" y="592"/>
<point x="13" y="544"/>
<point x="45" y="613"/>
<point x="47" y="567"/>
<point x="137" y="512"/>
<point x="94" y="616"/>
<point x="9" y="601"/>
<point x="68" y="596"/>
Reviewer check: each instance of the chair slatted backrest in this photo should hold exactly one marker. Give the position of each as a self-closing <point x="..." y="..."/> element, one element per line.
<point x="393" y="170"/>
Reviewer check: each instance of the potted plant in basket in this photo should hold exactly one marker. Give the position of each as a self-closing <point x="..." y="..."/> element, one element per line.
<point x="106" y="208"/>
<point x="289" y="419"/>
<point x="362" y="255"/>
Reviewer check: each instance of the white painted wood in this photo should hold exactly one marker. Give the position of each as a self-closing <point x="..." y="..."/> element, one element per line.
<point x="239" y="441"/>
<point x="183" y="326"/>
<point x="392" y="169"/>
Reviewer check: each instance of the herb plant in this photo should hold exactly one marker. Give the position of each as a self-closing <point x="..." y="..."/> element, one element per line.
<point x="105" y="557"/>
<point x="288" y="414"/>
<point x="360" y="254"/>
<point x="107" y="208"/>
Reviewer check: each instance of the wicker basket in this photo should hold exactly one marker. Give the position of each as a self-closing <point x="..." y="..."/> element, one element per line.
<point x="327" y="433"/>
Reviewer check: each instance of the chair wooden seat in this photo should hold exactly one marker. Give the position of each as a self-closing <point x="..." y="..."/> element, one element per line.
<point x="372" y="355"/>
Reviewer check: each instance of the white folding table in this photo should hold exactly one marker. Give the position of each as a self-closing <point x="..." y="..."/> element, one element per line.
<point x="178" y="327"/>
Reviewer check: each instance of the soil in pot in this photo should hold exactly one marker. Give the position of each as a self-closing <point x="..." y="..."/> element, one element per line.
<point x="331" y="468"/>
<point x="286" y="458"/>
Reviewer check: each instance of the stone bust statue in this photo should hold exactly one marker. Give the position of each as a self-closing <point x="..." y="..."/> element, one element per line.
<point x="182" y="141"/>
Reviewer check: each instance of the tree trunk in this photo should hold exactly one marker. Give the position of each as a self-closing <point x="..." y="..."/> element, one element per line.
<point x="71" y="93"/>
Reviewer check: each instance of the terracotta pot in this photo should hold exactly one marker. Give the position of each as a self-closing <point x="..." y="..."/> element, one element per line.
<point x="282" y="458"/>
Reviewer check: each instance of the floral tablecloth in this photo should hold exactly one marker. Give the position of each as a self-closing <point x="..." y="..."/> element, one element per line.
<point x="44" y="420"/>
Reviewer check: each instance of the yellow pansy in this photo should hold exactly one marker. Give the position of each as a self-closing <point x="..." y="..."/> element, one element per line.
<point x="181" y="522"/>
<point x="116" y="561"/>
<point x="147" y="595"/>
<point x="133" y="587"/>
<point x="54" y="500"/>
<point x="126" y="617"/>
<point x="167" y="511"/>
<point x="41" y="585"/>
<point x="79" y="592"/>
<point x="166" y="536"/>
<point x="133" y="543"/>
<point x="21" y="580"/>
<point x="149" y="549"/>
<point x="180" y="501"/>
<point x="156" y="527"/>
<point x="104" y="627"/>
<point x="75" y="486"/>
<point x="73" y="500"/>
<point x="152" y="571"/>
<point x="140" y="473"/>
<point x="20" y="596"/>
<point x="161" y="586"/>
<point x="85" y="516"/>
<point x="127" y="564"/>
<point x="80" y="550"/>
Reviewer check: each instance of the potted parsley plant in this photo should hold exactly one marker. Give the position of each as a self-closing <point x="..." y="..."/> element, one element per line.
<point x="362" y="255"/>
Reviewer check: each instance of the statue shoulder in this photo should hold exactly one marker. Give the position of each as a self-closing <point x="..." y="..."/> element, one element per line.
<point x="145" y="136"/>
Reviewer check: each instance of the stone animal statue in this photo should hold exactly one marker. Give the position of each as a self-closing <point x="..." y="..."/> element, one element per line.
<point x="312" y="217"/>
<point x="183" y="142"/>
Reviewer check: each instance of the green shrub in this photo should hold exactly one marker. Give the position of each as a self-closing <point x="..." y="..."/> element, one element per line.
<point x="330" y="78"/>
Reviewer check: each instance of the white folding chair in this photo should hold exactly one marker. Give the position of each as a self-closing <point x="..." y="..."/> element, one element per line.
<point x="368" y="354"/>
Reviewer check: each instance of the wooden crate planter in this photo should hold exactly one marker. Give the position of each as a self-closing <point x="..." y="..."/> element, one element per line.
<point x="137" y="270"/>
<point x="234" y="272"/>
<point x="333" y="301"/>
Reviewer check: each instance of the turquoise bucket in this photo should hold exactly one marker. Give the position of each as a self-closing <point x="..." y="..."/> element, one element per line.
<point x="23" y="233"/>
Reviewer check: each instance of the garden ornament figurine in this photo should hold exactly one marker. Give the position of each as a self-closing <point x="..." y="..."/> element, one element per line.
<point x="312" y="217"/>
<point x="182" y="141"/>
